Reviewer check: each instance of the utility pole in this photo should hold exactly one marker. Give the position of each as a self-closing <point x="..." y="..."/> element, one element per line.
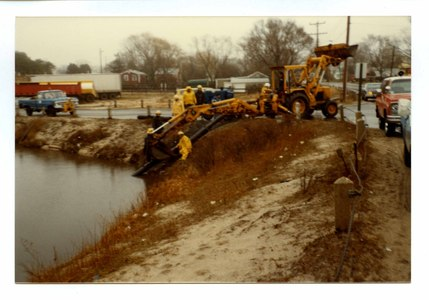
<point x="101" y="61"/>
<point x="317" y="32"/>
<point x="345" y="63"/>
<point x="393" y="59"/>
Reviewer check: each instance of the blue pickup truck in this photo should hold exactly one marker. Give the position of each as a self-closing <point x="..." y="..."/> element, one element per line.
<point x="49" y="101"/>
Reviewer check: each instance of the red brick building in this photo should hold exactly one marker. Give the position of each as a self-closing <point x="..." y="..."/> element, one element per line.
<point x="133" y="79"/>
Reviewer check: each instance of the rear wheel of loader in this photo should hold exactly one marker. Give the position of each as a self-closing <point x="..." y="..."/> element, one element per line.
<point x="304" y="108"/>
<point x="330" y="109"/>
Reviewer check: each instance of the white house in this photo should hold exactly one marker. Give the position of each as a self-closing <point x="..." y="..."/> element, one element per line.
<point x="240" y="84"/>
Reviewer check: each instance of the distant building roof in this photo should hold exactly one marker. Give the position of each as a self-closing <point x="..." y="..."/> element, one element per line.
<point x="256" y="77"/>
<point x="133" y="71"/>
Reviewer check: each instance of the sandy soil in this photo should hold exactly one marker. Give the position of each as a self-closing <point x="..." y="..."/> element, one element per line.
<point x="248" y="206"/>
<point x="277" y="233"/>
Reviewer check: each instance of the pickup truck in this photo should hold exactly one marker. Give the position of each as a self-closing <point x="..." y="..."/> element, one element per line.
<point x="49" y="101"/>
<point x="386" y="104"/>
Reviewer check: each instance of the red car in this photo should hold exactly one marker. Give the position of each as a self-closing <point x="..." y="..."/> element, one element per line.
<point x="386" y="103"/>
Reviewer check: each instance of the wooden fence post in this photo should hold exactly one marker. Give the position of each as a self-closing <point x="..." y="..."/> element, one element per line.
<point x="341" y="108"/>
<point x="109" y="112"/>
<point x="148" y="110"/>
<point x="342" y="186"/>
<point x="360" y="130"/>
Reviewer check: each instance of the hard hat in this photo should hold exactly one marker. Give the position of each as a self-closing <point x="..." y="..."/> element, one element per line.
<point x="176" y="97"/>
<point x="158" y="112"/>
<point x="188" y="87"/>
<point x="200" y="86"/>
<point x="180" y="133"/>
<point x="149" y="130"/>
<point x="267" y="84"/>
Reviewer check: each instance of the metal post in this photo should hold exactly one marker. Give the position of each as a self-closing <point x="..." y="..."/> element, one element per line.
<point x="360" y="85"/>
<point x="148" y="110"/>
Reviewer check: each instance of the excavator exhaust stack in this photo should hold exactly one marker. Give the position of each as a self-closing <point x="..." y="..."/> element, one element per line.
<point x="342" y="51"/>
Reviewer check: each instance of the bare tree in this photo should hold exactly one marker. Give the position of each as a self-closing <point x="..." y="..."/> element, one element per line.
<point x="274" y="43"/>
<point x="381" y="53"/>
<point x="152" y="54"/>
<point x="214" y="55"/>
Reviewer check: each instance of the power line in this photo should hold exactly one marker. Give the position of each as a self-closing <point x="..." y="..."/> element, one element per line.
<point x="317" y="32"/>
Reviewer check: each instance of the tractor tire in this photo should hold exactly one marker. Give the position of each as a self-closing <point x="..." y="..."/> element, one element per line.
<point x="407" y="157"/>
<point x="330" y="109"/>
<point x="391" y="128"/>
<point x="29" y="111"/>
<point x="381" y="123"/>
<point x="50" y="111"/>
<point x="303" y="102"/>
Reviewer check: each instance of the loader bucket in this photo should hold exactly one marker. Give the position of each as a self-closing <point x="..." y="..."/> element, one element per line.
<point x="342" y="51"/>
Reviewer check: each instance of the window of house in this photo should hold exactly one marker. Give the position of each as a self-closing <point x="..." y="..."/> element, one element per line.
<point x="133" y="77"/>
<point x="126" y="77"/>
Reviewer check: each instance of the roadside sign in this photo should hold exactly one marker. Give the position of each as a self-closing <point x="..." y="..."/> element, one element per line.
<point x="357" y="70"/>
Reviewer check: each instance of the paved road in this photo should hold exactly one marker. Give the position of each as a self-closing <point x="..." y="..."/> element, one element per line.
<point x="115" y="113"/>
<point x="367" y="109"/>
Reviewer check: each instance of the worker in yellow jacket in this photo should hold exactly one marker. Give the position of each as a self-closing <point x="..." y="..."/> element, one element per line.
<point x="177" y="107"/>
<point x="265" y="92"/>
<point x="189" y="98"/>
<point x="185" y="145"/>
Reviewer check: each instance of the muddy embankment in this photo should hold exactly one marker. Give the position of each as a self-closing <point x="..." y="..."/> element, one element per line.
<point x="252" y="203"/>
<point x="118" y="140"/>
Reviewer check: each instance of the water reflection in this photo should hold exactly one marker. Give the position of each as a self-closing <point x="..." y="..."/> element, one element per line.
<point x="62" y="200"/>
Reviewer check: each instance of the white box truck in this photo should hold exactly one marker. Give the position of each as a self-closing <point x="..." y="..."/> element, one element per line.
<point x="107" y="86"/>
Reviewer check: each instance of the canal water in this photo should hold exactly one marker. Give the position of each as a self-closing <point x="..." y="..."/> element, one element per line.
<point x="63" y="201"/>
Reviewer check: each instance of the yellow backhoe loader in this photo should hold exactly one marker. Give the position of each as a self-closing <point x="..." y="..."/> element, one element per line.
<point x="290" y="85"/>
<point x="302" y="83"/>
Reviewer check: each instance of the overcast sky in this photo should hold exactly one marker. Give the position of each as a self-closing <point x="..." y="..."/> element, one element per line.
<point x="79" y="39"/>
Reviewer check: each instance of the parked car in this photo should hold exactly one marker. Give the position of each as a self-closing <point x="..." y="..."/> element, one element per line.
<point x="386" y="104"/>
<point x="369" y="90"/>
<point x="404" y="110"/>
